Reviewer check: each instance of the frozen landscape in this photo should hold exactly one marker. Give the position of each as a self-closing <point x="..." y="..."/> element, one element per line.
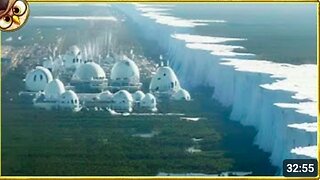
<point x="159" y="90"/>
<point x="278" y="99"/>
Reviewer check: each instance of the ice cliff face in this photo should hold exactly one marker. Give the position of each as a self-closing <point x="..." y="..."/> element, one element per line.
<point x="279" y="100"/>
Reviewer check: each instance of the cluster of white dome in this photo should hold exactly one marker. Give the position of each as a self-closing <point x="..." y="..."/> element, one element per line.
<point x="53" y="93"/>
<point x="123" y="101"/>
<point x="124" y="73"/>
<point x="56" y="96"/>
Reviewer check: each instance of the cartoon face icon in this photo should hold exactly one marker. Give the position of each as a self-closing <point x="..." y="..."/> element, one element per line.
<point x="13" y="14"/>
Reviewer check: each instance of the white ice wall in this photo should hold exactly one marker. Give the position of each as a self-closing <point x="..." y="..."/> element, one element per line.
<point x="251" y="88"/>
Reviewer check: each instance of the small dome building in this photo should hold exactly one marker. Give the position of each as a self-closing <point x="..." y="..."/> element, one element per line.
<point x="164" y="81"/>
<point x="105" y="96"/>
<point x="138" y="96"/>
<point x="37" y="79"/>
<point x="54" y="90"/>
<point x="69" y="100"/>
<point x="73" y="58"/>
<point x="125" y="74"/>
<point x="89" y="77"/>
<point x="89" y="71"/>
<point x="122" y="101"/>
<point x="149" y="102"/>
<point x="181" y="94"/>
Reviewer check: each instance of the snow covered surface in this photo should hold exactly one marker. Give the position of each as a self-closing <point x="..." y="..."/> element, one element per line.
<point x="266" y="95"/>
<point x="309" y="127"/>
<point x="212" y="44"/>
<point x="192" y="150"/>
<point x="160" y="15"/>
<point x="190" y="118"/>
<point x="310" y="151"/>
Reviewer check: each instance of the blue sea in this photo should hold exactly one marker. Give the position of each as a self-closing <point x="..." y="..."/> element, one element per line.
<point x="280" y="32"/>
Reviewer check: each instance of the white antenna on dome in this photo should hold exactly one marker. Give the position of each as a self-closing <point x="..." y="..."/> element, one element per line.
<point x="132" y="55"/>
<point x="99" y="58"/>
<point x="161" y="58"/>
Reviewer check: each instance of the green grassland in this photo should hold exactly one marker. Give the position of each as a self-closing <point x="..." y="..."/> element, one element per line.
<point x="38" y="142"/>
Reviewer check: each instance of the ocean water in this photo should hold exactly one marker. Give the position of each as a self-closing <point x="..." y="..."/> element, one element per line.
<point x="285" y="33"/>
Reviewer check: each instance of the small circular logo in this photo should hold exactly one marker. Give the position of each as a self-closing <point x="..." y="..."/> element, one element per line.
<point x="13" y="14"/>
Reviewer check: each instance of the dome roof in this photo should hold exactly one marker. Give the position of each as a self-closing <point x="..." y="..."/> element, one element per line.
<point x="54" y="89"/>
<point x="181" y="94"/>
<point x="125" y="69"/>
<point x="72" y="59"/>
<point x="69" y="99"/>
<point x="38" y="78"/>
<point x="164" y="80"/>
<point x="122" y="100"/>
<point x="138" y="96"/>
<point x="149" y="101"/>
<point x="69" y="94"/>
<point x="89" y="71"/>
<point x="74" y="50"/>
<point x="105" y="96"/>
<point x="122" y="95"/>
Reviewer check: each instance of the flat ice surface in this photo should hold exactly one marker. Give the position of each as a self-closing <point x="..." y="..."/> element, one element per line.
<point x="295" y="78"/>
<point x="190" y="118"/>
<point x="310" y="151"/>
<point x="299" y="79"/>
<point x="212" y="44"/>
<point x="160" y="14"/>
<point x="309" y="127"/>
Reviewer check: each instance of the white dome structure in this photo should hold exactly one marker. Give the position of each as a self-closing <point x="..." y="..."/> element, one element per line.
<point x="125" y="72"/>
<point x="164" y="81"/>
<point x="73" y="58"/>
<point x="105" y="96"/>
<point x="54" y="90"/>
<point x="149" y="102"/>
<point x="37" y="79"/>
<point x="89" y="71"/>
<point x="181" y="94"/>
<point x="69" y="100"/>
<point x="138" y="96"/>
<point x="122" y="100"/>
